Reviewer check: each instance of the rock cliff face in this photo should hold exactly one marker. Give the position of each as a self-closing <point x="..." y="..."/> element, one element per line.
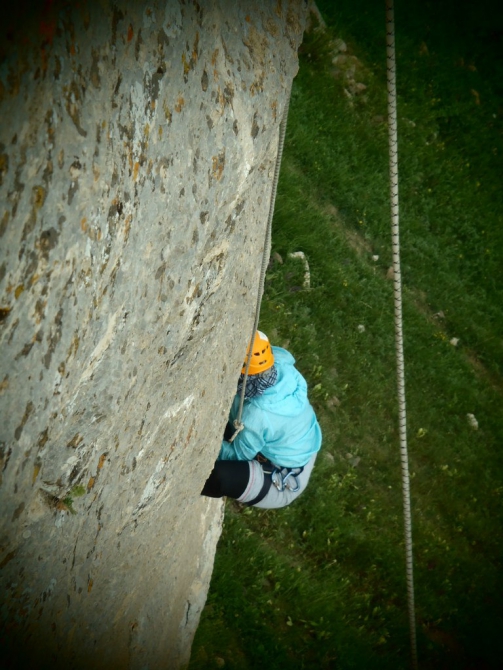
<point x="137" y="146"/>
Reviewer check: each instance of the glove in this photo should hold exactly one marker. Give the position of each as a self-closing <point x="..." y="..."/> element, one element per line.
<point x="229" y="431"/>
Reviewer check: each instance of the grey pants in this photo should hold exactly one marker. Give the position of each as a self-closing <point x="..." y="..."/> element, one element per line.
<point x="274" y="498"/>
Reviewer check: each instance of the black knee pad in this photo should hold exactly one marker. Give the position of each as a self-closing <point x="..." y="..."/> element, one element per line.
<point x="228" y="478"/>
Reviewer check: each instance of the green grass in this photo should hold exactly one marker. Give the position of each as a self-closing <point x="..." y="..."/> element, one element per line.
<point x="321" y="584"/>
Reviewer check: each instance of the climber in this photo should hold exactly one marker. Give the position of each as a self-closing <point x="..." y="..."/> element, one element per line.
<point x="269" y="462"/>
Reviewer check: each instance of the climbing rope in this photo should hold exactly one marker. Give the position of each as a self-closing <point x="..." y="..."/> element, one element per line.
<point x="265" y="260"/>
<point x="397" y="287"/>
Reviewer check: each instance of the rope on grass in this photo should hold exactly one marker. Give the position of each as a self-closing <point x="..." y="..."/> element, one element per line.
<point x="265" y="260"/>
<point x="397" y="287"/>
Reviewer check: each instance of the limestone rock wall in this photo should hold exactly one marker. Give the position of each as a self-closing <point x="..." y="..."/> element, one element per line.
<point x="137" y="146"/>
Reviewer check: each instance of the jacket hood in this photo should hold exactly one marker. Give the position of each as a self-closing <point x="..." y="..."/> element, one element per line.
<point x="288" y="396"/>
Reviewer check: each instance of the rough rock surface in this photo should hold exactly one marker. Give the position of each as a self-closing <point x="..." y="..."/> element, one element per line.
<point x="137" y="146"/>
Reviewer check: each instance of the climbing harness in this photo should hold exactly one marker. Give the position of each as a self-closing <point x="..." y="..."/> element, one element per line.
<point x="397" y="288"/>
<point x="265" y="260"/>
<point x="282" y="478"/>
<point x="264" y="490"/>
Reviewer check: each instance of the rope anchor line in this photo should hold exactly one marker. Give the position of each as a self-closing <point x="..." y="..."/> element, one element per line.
<point x="265" y="260"/>
<point x="397" y="287"/>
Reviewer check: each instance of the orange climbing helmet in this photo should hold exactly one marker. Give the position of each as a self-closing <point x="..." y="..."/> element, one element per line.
<point x="262" y="357"/>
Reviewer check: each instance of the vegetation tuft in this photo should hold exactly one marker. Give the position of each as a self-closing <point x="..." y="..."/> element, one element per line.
<point x="321" y="584"/>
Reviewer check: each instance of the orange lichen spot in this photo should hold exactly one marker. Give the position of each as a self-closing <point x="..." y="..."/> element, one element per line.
<point x="274" y="107"/>
<point x="102" y="460"/>
<point x="90" y="585"/>
<point x="75" y="441"/>
<point x="194" y="50"/>
<point x="248" y="19"/>
<point x="91" y="483"/>
<point x="167" y="112"/>
<point x="18" y="291"/>
<point x="48" y="29"/>
<point x="127" y="227"/>
<point x="189" y="435"/>
<point x="256" y="87"/>
<point x="180" y="103"/>
<point x="220" y="98"/>
<point x="39" y="310"/>
<point x="186" y="65"/>
<point x="214" y="57"/>
<point x="38" y="196"/>
<point x="74" y="346"/>
<point x="83" y="224"/>
<point x="136" y="170"/>
<point x="36" y="470"/>
<point x="130" y="33"/>
<point x="218" y="164"/>
<point x="72" y="49"/>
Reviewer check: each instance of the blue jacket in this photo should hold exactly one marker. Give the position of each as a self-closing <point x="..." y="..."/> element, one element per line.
<point x="280" y="423"/>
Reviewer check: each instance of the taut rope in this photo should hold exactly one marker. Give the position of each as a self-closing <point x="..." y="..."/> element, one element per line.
<point x="397" y="287"/>
<point x="265" y="260"/>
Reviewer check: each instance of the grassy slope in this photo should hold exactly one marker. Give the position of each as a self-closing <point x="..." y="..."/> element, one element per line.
<point x="321" y="584"/>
